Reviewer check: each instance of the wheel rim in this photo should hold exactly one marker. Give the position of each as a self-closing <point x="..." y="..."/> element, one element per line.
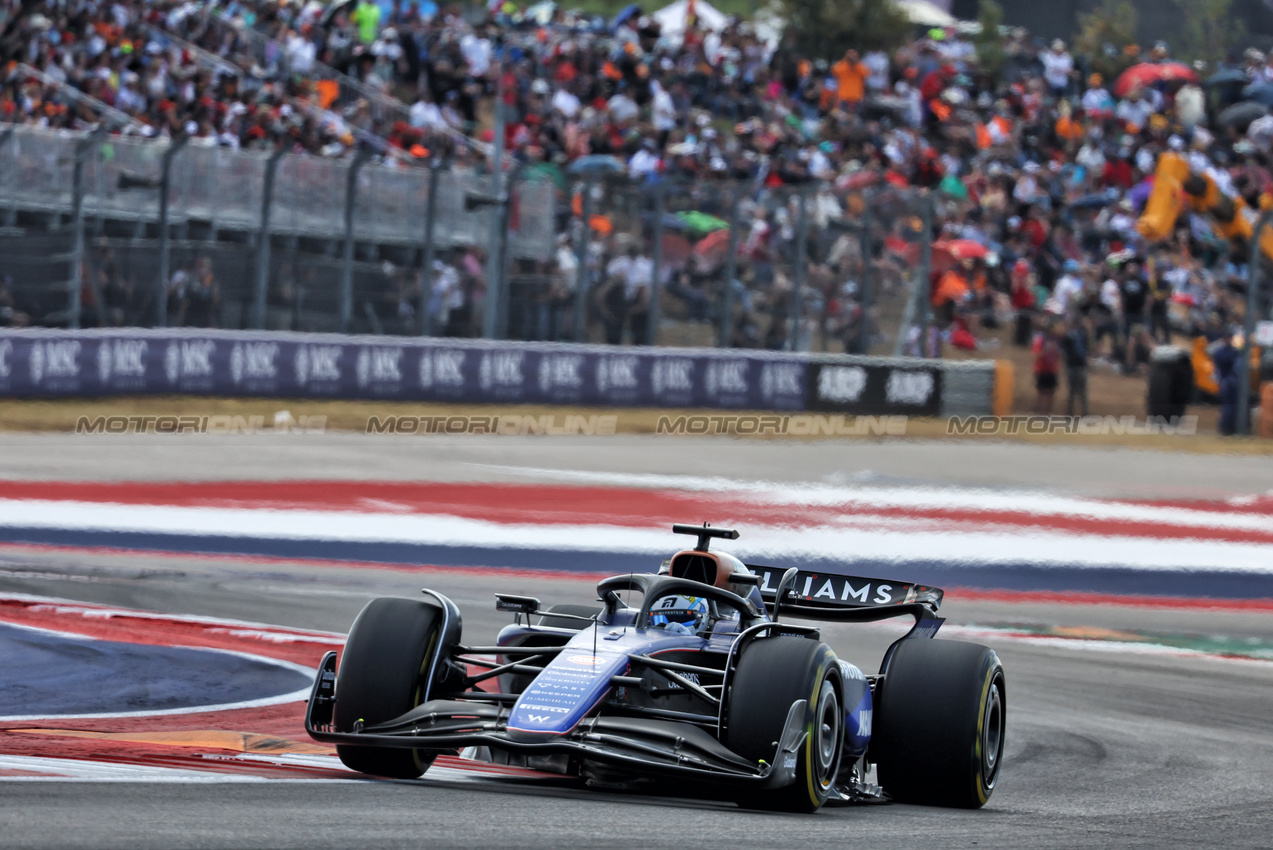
<point x="828" y="722"/>
<point x="992" y="727"/>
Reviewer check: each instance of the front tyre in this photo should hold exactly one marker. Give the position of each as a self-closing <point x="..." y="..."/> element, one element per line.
<point x="940" y="720"/>
<point x="383" y="673"/>
<point x="772" y="674"/>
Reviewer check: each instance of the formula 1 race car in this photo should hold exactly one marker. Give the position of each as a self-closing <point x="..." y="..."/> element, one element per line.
<point x="693" y="673"/>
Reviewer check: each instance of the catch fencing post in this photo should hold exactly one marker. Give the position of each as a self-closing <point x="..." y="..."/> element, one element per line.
<point x="493" y="309"/>
<point x="652" y="321"/>
<point x="925" y="265"/>
<point x="83" y="150"/>
<point x="581" y="273"/>
<point x="263" y="238"/>
<point x="505" y="250"/>
<point x="347" y="261"/>
<point x="426" y="279"/>
<point x="866" y="293"/>
<point x="165" y="238"/>
<point x="1248" y="329"/>
<point x="731" y="269"/>
<point x="797" y="287"/>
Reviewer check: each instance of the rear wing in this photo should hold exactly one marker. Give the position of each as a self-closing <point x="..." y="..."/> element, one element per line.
<point x="829" y="596"/>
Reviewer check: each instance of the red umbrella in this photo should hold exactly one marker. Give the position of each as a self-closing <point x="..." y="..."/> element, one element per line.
<point x="948" y="253"/>
<point x="676" y="250"/>
<point x="711" y="249"/>
<point x="1176" y="72"/>
<point x="1148" y="73"/>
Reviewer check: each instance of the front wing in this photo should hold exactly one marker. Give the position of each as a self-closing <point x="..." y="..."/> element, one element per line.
<point x="640" y="745"/>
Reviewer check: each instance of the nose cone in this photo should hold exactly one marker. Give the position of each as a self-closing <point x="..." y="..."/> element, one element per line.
<point x="564" y="693"/>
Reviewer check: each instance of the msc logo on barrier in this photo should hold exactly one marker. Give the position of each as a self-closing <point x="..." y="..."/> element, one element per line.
<point x="189" y="359"/>
<point x="253" y="361"/>
<point x="782" y="379"/>
<point x="675" y="374"/>
<point x="616" y="373"/>
<point x="502" y="369"/>
<point x="560" y="371"/>
<point x="124" y="358"/>
<point x="379" y="365"/>
<point x="728" y="376"/>
<point x="55" y="360"/>
<point x="443" y="368"/>
<point x="316" y="363"/>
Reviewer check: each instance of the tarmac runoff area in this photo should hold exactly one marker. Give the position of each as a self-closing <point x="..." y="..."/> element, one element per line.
<point x="1134" y="720"/>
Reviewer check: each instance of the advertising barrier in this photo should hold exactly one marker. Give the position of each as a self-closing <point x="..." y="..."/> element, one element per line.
<point x="135" y="361"/>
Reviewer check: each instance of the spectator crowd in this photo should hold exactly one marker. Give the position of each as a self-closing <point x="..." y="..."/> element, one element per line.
<point x="1037" y="172"/>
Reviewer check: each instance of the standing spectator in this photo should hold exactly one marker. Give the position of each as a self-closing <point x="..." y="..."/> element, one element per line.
<point x="366" y="16"/>
<point x="1047" y="360"/>
<point x="636" y="291"/>
<point x="850" y="79"/>
<point x="1134" y="297"/>
<point x="1058" y="67"/>
<point x="1224" y="355"/>
<point x="1023" y="301"/>
<point x="1074" y="346"/>
<point x="203" y="297"/>
<point x="612" y="300"/>
<point x="877" y="63"/>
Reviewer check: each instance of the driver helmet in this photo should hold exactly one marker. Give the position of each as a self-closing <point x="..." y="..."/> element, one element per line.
<point x="685" y="615"/>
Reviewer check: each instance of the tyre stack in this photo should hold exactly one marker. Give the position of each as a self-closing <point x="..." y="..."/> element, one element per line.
<point x="1170" y="382"/>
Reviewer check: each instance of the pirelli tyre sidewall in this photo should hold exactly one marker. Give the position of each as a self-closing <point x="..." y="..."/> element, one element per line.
<point x="940" y="721"/>
<point x="382" y="674"/>
<point x="774" y="673"/>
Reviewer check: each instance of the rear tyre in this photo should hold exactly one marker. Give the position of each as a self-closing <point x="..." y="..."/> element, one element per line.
<point x="547" y="618"/>
<point x="772" y="674"/>
<point x="382" y="674"/>
<point x="939" y="724"/>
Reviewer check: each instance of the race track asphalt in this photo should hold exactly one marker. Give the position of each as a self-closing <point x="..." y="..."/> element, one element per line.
<point x="1105" y="749"/>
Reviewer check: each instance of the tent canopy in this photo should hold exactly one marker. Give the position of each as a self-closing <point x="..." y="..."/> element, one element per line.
<point x="672" y="18"/>
<point x="926" y="13"/>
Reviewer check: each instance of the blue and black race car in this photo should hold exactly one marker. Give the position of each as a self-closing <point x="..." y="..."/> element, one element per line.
<point x="694" y="673"/>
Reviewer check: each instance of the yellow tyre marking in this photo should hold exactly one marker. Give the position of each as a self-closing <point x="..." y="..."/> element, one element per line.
<point x="976" y="746"/>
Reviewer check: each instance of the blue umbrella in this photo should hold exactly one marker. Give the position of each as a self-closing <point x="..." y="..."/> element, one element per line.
<point x="597" y="164"/>
<point x="1260" y="93"/>
<point x="1092" y="202"/>
<point x="626" y="14"/>
<point x="1227" y="76"/>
